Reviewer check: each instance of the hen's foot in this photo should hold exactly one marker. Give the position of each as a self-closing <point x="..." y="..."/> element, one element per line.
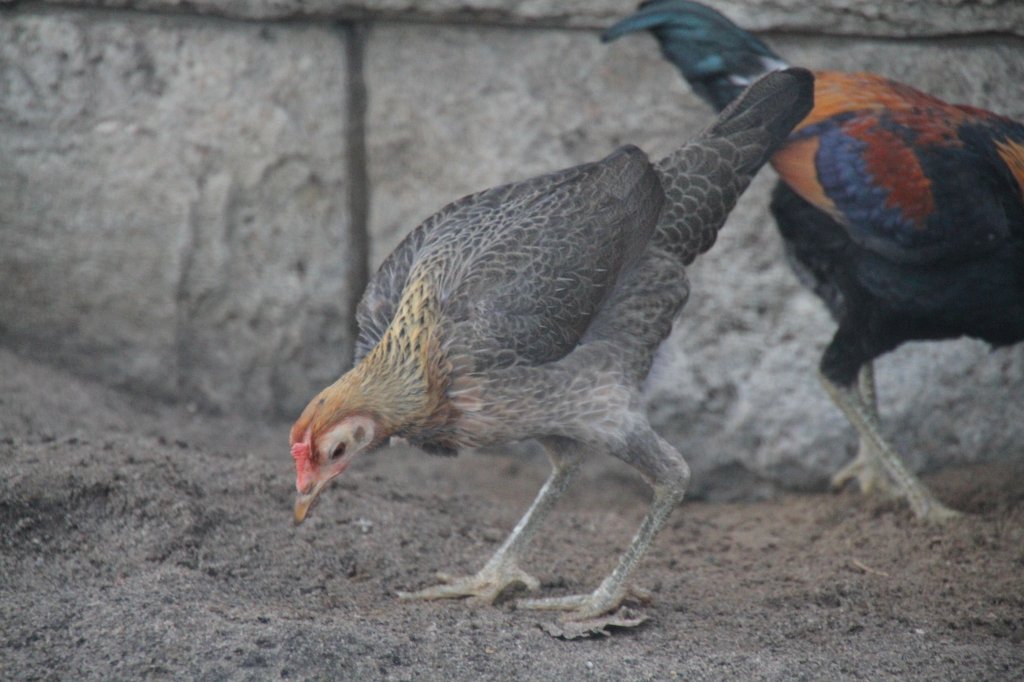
<point x="585" y="607"/>
<point x="486" y="586"/>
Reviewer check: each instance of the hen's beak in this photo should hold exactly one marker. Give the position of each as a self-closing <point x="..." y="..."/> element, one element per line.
<point x="303" y="502"/>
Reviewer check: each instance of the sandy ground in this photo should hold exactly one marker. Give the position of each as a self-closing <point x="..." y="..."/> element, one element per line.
<point x="143" y="541"/>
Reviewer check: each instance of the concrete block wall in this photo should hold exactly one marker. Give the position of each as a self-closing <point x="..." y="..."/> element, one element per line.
<point x="191" y="194"/>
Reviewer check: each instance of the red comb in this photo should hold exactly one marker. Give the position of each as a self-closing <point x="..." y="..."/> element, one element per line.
<point x="300" y="451"/>
<point x="304" y="470"/>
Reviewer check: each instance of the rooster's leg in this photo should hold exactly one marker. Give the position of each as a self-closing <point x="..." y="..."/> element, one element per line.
<point x="668" y="473"/>
<point x="866" y="468"/>
<point x="865" y="419"/>
<point x="502" y="570"/>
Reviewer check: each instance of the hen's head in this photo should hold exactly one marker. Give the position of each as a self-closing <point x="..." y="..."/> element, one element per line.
<point x="324" y="441"/>
<point x="396" y="388"/>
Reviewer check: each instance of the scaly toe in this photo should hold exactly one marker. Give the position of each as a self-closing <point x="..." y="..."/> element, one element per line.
<point x="937" y="513"/>
<point x="870" y="477"/>
<point x="583" y="607"/>
<point x="567" y="603"/>
<point x="842" y="477"/>
<point x="486" y="586"/>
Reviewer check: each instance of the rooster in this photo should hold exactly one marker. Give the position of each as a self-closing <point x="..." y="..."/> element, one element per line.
<point x="903" y="213"/>
<point x="532" y="310"/>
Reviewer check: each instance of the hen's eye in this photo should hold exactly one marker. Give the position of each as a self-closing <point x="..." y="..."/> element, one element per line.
<point x="339" y="450"/>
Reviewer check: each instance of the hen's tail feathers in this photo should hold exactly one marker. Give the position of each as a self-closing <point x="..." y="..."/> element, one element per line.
<point x="704" y="178"/>
<point x="716" y="57"/>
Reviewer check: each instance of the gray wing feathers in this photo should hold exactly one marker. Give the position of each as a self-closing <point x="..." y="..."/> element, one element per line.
<point x="704" y="179"/>
<point x="520" y="268"/>
<point x="535" y="264"/>
<point x="384" y="290"/>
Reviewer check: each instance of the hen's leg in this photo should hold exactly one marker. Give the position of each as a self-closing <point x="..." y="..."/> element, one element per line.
<point x="502" y="570"/>
<point x="866" y="468"/>
<point x="865" y="420"/>
<point x="667" y="472"/>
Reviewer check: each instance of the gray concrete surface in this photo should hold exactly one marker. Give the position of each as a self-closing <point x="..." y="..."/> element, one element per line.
<point x="173" y="202"/>
<point x="850" y="17"/>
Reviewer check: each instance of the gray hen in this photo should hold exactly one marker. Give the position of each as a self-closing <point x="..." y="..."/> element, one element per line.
<point x="533" y="310"/>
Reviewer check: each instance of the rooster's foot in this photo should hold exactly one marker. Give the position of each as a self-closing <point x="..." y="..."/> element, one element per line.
<point x="869" y="474"/>
<point x="873" y="480"/>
